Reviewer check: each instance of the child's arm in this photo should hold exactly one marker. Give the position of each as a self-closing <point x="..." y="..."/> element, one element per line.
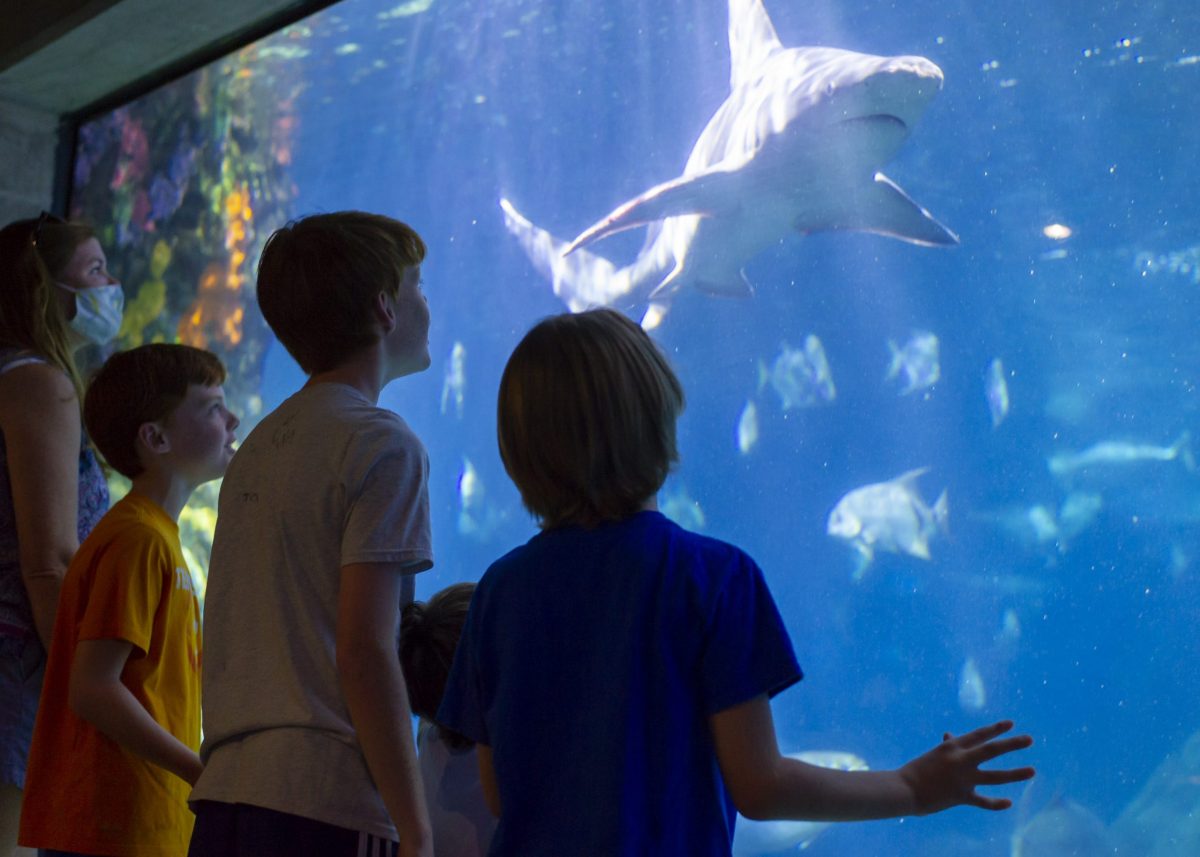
<point x="487" y="778"/>
<point x="96" y="694"/>
<point x="373" y="684"/>
<point x="767" y="785"/>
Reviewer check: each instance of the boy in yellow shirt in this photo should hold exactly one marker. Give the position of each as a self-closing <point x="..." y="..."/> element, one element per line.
<point x="115" y="743"/>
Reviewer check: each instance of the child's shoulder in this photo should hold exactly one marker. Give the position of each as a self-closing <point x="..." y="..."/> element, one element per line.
<point x="700" y="544"/>
<point x="132" y="521"/>
<point x="340" y="406"/>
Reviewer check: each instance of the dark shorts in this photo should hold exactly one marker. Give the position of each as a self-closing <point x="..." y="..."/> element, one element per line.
<point x="22" y="665"/>
<point x="242" y="830"/>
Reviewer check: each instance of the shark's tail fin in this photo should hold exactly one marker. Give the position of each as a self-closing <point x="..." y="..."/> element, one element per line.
<point x="582" y="280"/>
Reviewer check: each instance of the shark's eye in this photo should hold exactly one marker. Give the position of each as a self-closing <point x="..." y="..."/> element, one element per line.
<point x="829" y="88"/>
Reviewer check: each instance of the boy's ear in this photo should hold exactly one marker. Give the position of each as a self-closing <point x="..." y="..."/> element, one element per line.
<point x="385" y="311"/>
<point x="153" y="438"/>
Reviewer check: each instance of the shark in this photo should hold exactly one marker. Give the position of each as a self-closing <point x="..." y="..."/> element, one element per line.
<point x="796" y="147"/>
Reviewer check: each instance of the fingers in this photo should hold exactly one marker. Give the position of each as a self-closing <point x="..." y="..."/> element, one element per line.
<point x="984" y="733"/>
<point x="1001" y="778"/>
<point x="992" y="803"/>
<point x="994" y="749"/>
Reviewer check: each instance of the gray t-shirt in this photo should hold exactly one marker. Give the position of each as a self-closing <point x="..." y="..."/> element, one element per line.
<point x="326" y="480"/>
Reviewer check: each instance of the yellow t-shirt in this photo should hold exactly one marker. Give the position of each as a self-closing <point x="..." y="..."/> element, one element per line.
<point x="83" y="791"/>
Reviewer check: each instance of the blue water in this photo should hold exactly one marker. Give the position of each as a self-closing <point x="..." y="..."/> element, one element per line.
<point x="1081" y="114"/>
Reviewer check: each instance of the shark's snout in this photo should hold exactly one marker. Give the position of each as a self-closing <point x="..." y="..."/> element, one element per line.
<point x="919" y="67"/>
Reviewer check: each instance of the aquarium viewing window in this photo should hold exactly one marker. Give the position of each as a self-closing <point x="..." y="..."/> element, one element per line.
<point x="934" y="305"/>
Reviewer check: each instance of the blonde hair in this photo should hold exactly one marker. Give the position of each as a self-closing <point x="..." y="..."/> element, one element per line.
<point x="586" y="418"/>
<point x="33" y="254"/>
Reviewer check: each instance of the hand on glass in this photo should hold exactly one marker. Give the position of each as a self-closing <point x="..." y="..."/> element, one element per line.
<point x="949" y="774"/>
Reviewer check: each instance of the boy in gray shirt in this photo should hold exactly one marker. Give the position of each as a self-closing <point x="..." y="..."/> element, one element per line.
<point x="323" y="519"/>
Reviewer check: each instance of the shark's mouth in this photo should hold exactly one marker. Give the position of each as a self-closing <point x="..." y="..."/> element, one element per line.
<point x="877" y="119"/>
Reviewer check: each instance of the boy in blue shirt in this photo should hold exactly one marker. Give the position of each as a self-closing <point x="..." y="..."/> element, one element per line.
<point x="615" y="671"/>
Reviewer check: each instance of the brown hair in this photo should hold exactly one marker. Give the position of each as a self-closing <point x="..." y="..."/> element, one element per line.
<point x="586" y="418"/>
<point x="318" y="276"/>
<point x="429" y="634"/>
<point x="33" y="253"/>
<point x="140" y="386"/>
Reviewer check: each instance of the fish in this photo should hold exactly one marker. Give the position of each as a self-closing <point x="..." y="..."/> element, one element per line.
<point x="478" y="519"/>
<point x="1111" y="453"/>
<point x="1041" y="524"/>
<point x="800" y="376"/>
<point x="917" y="360"/>
<point x="470" y="496"/>
<point x="1010" y="628"/>
<point x="678" y="505"/>
<point x="747" y="428"/>
<point x="996" y="392"/>
<point x="888" y="516"/>
<point x="796" y="147"/>
<point x="454" y="383"/>
<point x="752" y="838"/>
<point x="972" y="695"/>
<point x="1076" y="513"/>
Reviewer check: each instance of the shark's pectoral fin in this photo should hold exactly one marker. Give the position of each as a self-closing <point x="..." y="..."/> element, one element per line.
<point x="703" y="194"/>
<point x="882" y="207"/>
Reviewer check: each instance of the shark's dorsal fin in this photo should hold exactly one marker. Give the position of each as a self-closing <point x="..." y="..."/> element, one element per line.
<point x="751" y="39"/>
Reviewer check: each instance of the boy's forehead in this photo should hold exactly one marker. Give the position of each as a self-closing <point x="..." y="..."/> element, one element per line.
<point x="204" y="392"/>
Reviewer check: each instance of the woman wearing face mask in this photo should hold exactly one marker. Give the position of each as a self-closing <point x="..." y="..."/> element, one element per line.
<point x="56" y="295"/>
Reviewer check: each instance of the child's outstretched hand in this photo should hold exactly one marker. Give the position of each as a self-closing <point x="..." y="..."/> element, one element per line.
<point x="948" y="774"/>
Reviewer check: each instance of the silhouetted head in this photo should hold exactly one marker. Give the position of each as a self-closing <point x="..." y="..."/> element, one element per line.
<point x="586" y="418"/>
<point x="319" y="279"/>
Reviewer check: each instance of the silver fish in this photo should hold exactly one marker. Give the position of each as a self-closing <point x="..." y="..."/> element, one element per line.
<point x="678" y="505"/>
<point x="454" y="383"/>
<point x="917" y="361"/>
<point x="747" y="427"/>
<point x="996" y="392"/>
<point x="972" y="695"/>
<point x="888" y="516"/>
<point x="800" y="376"/>
<point x="1110" y="453"/>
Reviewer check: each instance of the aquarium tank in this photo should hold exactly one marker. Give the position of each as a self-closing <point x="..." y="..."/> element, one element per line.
<point x="929" y="273"/>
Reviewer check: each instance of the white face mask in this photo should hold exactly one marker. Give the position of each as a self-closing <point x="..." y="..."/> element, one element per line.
<point x="98" y="312"/>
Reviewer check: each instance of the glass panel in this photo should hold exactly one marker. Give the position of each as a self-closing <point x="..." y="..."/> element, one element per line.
<point x="1037" y="381"/>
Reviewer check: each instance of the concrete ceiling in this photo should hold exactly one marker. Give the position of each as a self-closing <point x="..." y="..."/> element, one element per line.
<point x="63" y="57"/>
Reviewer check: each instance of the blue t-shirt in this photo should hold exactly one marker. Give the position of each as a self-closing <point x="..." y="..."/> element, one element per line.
<point x="590" y="663"/>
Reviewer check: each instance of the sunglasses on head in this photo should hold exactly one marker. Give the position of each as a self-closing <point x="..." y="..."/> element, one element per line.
<point x="44" y="218"/>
